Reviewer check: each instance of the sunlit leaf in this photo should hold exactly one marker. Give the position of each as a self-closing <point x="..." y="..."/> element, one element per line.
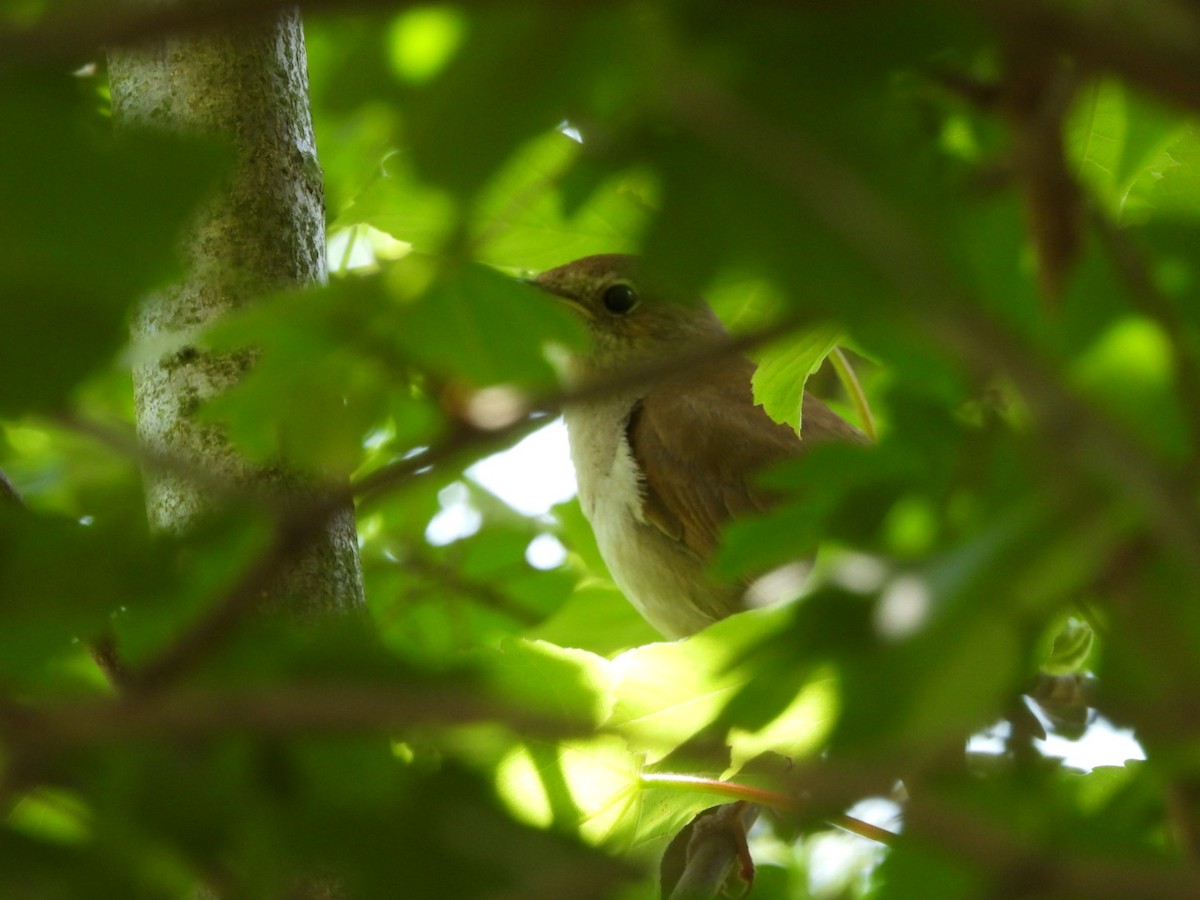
<point x="784" y="368"/>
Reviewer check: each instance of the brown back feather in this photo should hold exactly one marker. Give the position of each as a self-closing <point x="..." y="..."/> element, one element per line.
<point x="676" y="425"/>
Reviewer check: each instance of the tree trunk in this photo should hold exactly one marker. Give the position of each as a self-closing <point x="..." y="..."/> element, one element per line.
<point x="263" y="231"/>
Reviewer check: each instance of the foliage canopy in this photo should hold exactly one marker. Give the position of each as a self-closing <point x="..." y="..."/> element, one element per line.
<point x="992" y="204"/>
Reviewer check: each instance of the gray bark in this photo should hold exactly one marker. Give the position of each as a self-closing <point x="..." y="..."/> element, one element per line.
<point x="263" y="231"/>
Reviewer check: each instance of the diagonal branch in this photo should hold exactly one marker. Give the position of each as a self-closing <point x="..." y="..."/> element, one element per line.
<point x="321" y="708"/>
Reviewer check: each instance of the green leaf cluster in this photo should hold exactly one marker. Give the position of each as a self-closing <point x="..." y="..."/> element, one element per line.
<point x="993" y="208"/>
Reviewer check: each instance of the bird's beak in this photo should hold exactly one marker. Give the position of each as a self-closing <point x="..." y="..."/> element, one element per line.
<point x="565" y="299"/>
<point x="542" y="286"/>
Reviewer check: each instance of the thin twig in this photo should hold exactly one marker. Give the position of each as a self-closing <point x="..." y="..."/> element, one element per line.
<point x="850" y="382"/>
<point x="467" y="437"/>
<point x="1099" y="37"/>
<point x="219" y="489"/>
<point x="762" y="797"/>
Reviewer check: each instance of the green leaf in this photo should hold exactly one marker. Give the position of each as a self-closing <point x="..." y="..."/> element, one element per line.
<point x="331" y="346"/>
<point x="590" y="787"/>
<point x="1118" y="142"/>
<point x="458" y="134"/>
<point x="596" y="617"/>
<point x="398" y="202"/>
<point x="89" y="225"/>
<point x="784" y="368"/>
<point x="1095" y="136"/>
<point x="1130" y="371"/>
<point x="522" y="221"/>
<point x="1177" y="191"/>
<point x="475" y="324"/>
<point x="571" y="684"/>
<point x="668" y="693"/>
<point x="1071" y="648"/>
<point x="63" y="582"/>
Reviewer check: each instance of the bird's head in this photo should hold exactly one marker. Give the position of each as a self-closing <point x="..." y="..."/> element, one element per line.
<point x="629" y="316"/>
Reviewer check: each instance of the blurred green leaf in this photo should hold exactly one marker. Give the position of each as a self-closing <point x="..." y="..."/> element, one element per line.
<point x="1071" y="648"/>
<point x="667" y="693"/>
<point x="1119" y="142"/>
<point x="520" y="220"/>
<point x="874" y="165"/>
<point x="475" y="324"/>
<point x="534" y="675"/>
<point x="1177" y="191"/>
<point x="334" y="348"/>
<point x="459" y="135"/>
<point x="397" y="202"/>
<point x="89" y="225"/>
<point x="63" y="581"/>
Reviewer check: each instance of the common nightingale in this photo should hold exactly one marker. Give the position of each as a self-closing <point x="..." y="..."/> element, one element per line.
<point x="663" y="463"/>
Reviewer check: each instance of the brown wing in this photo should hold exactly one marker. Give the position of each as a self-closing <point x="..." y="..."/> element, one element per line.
<point x="699" y="446"/>
<point x="820" y="423"/>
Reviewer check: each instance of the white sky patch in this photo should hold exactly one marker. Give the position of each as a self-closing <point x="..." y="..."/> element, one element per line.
<point x="533" y="475"/>
<point x="456" y="519"/>
<point x="361" y="247"/>
<point x="859" y="572"/>
<point x="836" y="856"/>
<point x="786" y="582"/>
<point x="1102" y="744"/>
<point x="903" y="608"/>
<point x="545" y="552"/>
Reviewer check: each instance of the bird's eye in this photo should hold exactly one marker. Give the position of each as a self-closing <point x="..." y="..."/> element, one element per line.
<point x="620" y="298"/>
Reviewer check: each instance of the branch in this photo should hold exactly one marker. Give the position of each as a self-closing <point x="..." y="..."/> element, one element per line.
<point x="66" y="38"/>
<point x="295" y="709"/>
<point x="107" y="657"/>
<point x="948" y="831"/>
<point x="1162" y="60"/>
<point x="1160" y="57"/>
<point x="473" y="434"/>
<point x="715" y="842"/>
<point x="221" y="489"/>
<point x="784" y="802"/>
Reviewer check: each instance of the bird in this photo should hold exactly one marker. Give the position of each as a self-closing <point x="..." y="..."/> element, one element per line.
<point x="664" y="463"/>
